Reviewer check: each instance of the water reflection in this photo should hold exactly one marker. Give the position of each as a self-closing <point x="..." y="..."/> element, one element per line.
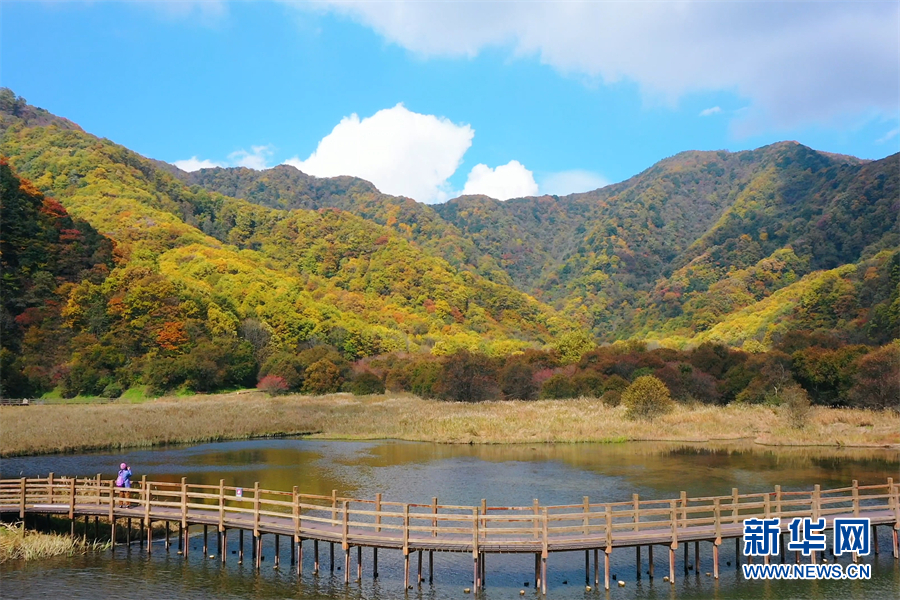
<point x="414" y="472"/>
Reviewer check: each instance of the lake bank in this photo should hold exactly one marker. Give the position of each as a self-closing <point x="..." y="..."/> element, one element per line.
<point x="43" y="429"/>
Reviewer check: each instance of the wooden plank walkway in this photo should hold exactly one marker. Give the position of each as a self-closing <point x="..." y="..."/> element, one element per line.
<point x="479" y="530"/>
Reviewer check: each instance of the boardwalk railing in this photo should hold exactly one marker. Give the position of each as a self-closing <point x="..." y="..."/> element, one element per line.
<point x="477" y="529"/>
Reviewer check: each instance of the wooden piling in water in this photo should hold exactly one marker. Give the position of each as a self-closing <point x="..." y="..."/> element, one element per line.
<point x="240" y="546"/>
<point x="277" y="551"/>
<point x="316" y="557"/>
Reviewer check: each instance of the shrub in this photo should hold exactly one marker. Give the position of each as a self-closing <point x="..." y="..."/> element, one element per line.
<point x="112" y="390"/>
<point x="612" y="398"/>
<point x="558" y="386"/>
<point x="588" y="383"/>
<point x="797" y="407"/>
<point x="322" y="377"/>
<point x="646" y="398"/>
<point x="273" y="385"/>
<point x="286" y="366"/>
<point x="878" y="379"/>
<point x="366" y="383"/>
<point x="517" y="381"/>
<point x="466" y="377"/>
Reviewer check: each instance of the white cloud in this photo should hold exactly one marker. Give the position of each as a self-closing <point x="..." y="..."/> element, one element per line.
<point x="888" y="136"/>
<point x="400" y="151"/>
<point x="572" y="182"/>
<point x="256" y="159"/>
<point x="511" y="180"/>
<point x="797" y="62"/>
<point x="706" y="112"/>
<point x="194" y="164"/>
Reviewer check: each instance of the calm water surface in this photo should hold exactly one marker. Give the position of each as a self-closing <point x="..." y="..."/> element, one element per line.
<point x="414" y="472"/>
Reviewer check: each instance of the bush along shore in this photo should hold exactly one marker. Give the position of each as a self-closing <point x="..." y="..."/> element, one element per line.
<point x="42" y="429"/>
<point x="19" y="543"/>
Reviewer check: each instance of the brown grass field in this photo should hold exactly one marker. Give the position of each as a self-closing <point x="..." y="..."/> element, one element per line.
<point x="42" y="429"/>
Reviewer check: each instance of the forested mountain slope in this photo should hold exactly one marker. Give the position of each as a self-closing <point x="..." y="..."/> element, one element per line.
<point x="208" y="286"/>
<point x="668" y="254"/>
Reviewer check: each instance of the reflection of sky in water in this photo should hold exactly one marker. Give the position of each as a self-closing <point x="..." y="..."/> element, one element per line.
<point x="457" y="474"/>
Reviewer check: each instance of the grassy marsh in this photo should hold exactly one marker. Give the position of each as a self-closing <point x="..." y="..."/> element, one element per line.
<point x="42" y="429"/>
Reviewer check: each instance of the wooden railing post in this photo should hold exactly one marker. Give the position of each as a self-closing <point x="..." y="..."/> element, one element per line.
<point x="483" y="515"/>
<point x="545" y="552"/>
<point x="817" y="490"/>
<point x="778" y="501"/>
<point x="717" y="515"/>
<point x="256" y="510"/>
<point x="378" y="511"/>
<point x="334" y="505"/>
<point x="184" y="524"/>
<point x="295" y="508"/>
<point x="635" y="500"/>
<point x="434" y="509"/>
<point x="50" y="488"/>
<point x="767" y="507"/>
<point x="587" y="509"/>
<point x="406" y="530"/>
<point x="475" y="519"/>
<point x="145" y="485"/>
<point x="221" y="526"/>
<point x="674" y="517"/>
<point x="112" y="514"/>
<point x="98" y="488"/>
<point x="345" y="527"/>
<point x="72" y="505"/>
<point x="855" y="492"/>
<point x="734" y="505"/>
<point x="609" y="529"/>
<point x="537" y="514"/>
<point x="683" y="500"/>
<point x="23" y="492"/>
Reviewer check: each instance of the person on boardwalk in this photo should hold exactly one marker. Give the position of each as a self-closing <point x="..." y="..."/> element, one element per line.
<point x="123" y="480"/>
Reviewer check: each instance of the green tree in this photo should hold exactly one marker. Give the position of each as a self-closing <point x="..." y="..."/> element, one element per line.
<point x="647" y="398"/>
<point x="322" y="377"/>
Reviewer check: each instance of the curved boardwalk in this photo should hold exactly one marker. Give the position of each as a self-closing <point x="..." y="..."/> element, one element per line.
<point x="479" y="530"/>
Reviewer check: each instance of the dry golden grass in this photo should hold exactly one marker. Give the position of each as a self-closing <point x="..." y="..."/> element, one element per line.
<point x="17" y="544"/>
<point x="68" y="428"/>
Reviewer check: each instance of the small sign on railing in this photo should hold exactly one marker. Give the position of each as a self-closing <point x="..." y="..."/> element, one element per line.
<point x="239" y="492"/>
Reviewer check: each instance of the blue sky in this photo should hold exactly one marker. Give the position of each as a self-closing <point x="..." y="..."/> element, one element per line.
<point x="433" y="99"/>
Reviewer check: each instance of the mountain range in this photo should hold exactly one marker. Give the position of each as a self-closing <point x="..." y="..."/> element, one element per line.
<point x="741" y="248"/>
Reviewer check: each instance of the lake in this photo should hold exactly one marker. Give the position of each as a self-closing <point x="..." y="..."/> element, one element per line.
<point x="456" y="474"/>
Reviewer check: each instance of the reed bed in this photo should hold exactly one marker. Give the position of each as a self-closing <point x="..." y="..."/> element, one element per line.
<point x="17" y="544"/>
<point x="70" y="428"/>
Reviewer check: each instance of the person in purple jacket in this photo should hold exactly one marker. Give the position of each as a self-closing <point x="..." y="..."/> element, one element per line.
<point x="123" y="480"/>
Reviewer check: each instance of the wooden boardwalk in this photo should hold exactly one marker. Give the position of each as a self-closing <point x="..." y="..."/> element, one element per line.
<point x="417" y="528"/>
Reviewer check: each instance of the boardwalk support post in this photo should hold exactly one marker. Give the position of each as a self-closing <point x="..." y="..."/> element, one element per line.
<point x="186" y="530"/>
<point x="405" y="547"/>
<point x="544" y="553"/>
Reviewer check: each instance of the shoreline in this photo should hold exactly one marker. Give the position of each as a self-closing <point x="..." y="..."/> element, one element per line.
<point x="71" y="428"/>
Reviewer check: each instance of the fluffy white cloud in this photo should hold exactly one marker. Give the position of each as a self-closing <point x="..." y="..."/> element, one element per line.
<point x="511" y="180"/>
<point x="572" y="182"/>
<point x="195" y="164"/>
<point x="796" y="61"/>
<point x="707" y="112"/>
<point x="256" y="159"/>
<point x="400" y="151"/>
